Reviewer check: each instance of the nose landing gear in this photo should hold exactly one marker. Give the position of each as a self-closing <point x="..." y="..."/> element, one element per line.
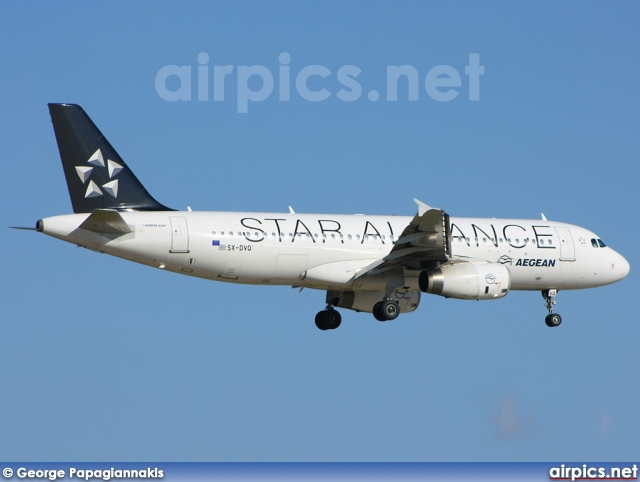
<point x="552" y="319"/>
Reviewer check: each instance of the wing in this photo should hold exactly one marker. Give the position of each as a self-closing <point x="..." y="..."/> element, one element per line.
<point x="424" y="243"/>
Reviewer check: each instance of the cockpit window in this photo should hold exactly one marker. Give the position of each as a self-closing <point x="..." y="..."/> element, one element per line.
<point x="597" y="243"/>
<point x="594" y="243"/>
<point x="601" y="243"/>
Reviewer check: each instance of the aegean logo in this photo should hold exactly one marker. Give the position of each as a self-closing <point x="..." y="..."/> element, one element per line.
<point x="312" y="83"/>
<point x="504" y="259"/>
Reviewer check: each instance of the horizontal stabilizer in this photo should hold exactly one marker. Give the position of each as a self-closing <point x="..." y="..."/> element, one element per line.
<point x="106" y="221"/>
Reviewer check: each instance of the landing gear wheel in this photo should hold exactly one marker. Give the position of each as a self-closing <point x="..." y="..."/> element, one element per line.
<point x="553" y="319"/>
<point x="390" y="309"/>
<point x="377" y="312"/>
<point x="386" y="310"/>
<point x="328" y="319"/>
<point x="334" y="319"/>
<point x="321" y="322"/>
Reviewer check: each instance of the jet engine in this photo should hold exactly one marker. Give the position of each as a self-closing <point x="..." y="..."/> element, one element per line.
<point x="408" y="301"/>
<point x="467" y="281"/>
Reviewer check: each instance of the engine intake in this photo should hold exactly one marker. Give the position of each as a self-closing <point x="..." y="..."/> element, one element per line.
<point x="467" y="281"/>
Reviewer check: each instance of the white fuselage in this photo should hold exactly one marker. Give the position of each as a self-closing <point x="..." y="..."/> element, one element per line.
<point x="328" y="251"/>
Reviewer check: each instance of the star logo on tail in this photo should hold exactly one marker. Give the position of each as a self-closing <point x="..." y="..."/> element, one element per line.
<point x="97" y="161"/>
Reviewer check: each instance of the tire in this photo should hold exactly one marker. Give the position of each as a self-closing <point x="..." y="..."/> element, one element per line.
<point x="321" y="321"/>
<point x="390" y="309"/>
<point x="386" y="310"/>
<point x="328" y="320"/>
<point x="333" y="319"/>
<point x="377" y="312"/>
<point x="553" y="319"/>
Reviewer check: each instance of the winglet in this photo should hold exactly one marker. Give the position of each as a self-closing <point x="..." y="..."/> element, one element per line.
<point x="422" y="207"/>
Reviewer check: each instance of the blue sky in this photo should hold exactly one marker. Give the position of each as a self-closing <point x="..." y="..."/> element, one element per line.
<point x="107" y="360"/>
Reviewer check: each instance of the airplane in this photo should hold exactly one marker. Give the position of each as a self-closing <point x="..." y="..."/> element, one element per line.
<point x="373" y="264"/>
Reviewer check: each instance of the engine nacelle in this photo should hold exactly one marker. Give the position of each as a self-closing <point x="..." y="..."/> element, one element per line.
<point x="467" y="281"/>
<point x="408" y="301"/>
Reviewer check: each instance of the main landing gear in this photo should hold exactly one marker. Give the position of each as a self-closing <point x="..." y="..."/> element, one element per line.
<point x="328" y="319"/>
<point x="386" y="310"/>
<point x="552" y="319"/>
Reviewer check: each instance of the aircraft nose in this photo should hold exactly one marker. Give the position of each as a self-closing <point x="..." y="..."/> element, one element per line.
<point x="623" y="266"/>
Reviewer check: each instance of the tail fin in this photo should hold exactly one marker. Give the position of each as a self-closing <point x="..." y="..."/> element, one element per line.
<point x="97" y="177"/>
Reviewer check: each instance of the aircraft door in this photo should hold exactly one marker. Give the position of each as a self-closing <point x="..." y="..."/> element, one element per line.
<point x="290" y="267"/>
<point x="567" y="248"/>
<point x="179" y="235"/>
